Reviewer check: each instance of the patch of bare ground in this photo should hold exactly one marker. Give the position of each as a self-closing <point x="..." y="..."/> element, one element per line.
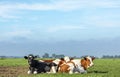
<point x="13" y="71"/>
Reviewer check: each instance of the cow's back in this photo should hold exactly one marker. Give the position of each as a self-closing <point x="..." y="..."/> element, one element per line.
<point x="76" y="62"/>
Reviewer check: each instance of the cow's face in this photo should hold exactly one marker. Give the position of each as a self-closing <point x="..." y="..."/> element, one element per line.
<point x="89" y="61"/>
<point x="30" y="59"/>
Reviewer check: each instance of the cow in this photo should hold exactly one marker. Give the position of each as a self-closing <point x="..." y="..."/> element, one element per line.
<point x="77" y="65"/>
<point x="35" y="66"/>
<point x="67" y="66"/>
<point x="83" y="64"/>
<point x="58" y="63"/>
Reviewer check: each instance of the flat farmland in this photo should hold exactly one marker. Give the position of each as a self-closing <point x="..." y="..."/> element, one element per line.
<point x="18" y="67"/>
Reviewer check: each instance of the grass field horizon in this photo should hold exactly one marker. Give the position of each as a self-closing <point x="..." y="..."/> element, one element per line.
<point x="18" y="67"/>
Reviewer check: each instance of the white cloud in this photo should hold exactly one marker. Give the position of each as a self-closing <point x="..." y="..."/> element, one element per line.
<point x="64" y="28"/>
<point x="106" y="20"/>
<point x="68" y="5"/>
<point x="8" y="10"/>
<point x="16" y="33"/>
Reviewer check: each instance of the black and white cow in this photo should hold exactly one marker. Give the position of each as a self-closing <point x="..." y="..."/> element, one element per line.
<point x="35" y="66"/>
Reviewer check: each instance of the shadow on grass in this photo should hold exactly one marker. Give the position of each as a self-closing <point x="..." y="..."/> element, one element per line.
<point x="98" y="72"/>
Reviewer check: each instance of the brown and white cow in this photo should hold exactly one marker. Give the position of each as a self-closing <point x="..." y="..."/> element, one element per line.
<point x="83" y="64"/>
<point x="67" y="66"/>
<point x="77" y="65"/>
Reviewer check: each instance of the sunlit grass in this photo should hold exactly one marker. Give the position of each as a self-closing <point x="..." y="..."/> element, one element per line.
<point x="101" y="68"/>
<point x="13" y="62"/>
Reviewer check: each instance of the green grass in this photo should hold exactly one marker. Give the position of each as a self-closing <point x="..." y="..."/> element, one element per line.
<point x="101" y="68"/>
<point x="63" y="75"/>
<point x="13" y="62"/>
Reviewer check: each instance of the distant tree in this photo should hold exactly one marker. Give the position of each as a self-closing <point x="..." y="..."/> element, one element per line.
<point x="53" y="55"/>
<point x="46" y="55"/>
<point x="2" y="57"/>
<point x="60" y="56"/>
<point x="74" y="57"/>
<point x="108" y="56"/>
<point x="38" y="56"/>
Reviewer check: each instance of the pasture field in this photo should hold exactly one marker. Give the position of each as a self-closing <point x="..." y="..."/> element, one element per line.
<point x="18" y="68"/>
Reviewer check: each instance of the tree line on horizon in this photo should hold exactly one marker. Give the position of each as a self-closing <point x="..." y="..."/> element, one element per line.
<point x="47" y="55"/>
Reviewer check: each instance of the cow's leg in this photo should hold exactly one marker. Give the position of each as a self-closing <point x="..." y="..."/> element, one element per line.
<point x="29" y="72"/>
<point x="78" y="69"/>
<point x="35" y="72"/>
<point x="82" y="70"/>
<point x="71" y="72"/>
<point x="53" y="69"/>
<point x="71" y="69"/>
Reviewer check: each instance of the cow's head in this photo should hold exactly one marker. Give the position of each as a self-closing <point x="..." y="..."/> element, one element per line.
<point x="87" y="62"/>
<point x="62" y="61"/>
<point x="30" y="59"/>
<point x="66" y="58"/>
<point x="90" y="59"/>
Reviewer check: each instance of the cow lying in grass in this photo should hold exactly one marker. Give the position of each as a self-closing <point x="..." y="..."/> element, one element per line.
<point x="76" y="65"/>
<point x="83" y="64"/>
<point x="63" y="65"/>
<point x="58" y="63"/>
<point x="36" y="66"/>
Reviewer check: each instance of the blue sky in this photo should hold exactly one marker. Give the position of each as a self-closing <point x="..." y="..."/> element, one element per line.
<point x="58" y="20"/>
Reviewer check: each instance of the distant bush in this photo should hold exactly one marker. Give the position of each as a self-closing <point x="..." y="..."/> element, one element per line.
<point x="108" y="56"/>
<point x="2" y="57"/>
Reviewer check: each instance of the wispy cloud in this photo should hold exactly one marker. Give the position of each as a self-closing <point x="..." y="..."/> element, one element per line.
<point x="18" y="33"/>
<point x="12" y="34"/>
<point x="64" y="28"/>
<point x="8" y="9"/>
<point x="105" y="20"/>
<point x="68" y="5"/>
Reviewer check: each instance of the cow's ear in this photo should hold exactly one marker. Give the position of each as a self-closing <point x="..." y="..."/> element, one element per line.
<point x="25" y="57"/>
<point x="62" y="59"/>
<point x="71" y="58"/>
<point x="35" y="56"/>
<point x="93" y="58"/>
<point x="85" y="58"/>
